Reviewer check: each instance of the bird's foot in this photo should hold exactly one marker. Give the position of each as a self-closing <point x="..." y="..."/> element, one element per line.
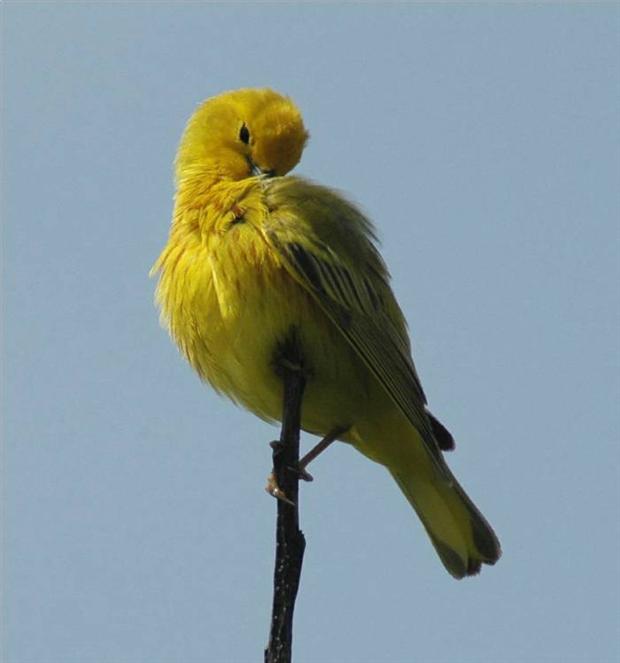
<point x="275" y="491"/>
<point x="301" y="472"/>
<point x="272" y="486"/>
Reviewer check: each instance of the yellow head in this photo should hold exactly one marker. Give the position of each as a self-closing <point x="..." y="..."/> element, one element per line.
<point x="240" y="134"/>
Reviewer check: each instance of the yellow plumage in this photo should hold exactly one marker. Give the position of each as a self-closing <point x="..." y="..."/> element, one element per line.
<point x="253" y="253"/>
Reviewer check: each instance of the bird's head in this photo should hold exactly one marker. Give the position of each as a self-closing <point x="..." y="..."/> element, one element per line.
<point x="242" y="133"/>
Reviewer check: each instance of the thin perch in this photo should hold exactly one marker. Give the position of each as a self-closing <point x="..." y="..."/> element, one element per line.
<point x="290" y="541"/>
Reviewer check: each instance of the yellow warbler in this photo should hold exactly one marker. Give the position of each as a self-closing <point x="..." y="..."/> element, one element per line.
<point x="254" y="253"/>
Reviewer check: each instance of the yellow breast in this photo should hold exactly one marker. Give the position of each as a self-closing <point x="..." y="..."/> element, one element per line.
<point x="228" y="301"/>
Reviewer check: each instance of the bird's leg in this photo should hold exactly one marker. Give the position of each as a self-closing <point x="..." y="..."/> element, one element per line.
<point x="315" y="451"/>
<point x="272" y="485"/>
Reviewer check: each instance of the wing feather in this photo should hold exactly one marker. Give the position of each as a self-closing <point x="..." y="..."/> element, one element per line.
<point x="350" y="284"/>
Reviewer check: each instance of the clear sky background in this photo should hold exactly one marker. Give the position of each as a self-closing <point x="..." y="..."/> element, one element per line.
<point x="484" y="141"/>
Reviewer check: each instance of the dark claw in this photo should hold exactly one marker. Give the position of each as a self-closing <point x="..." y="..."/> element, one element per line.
<point x="301" y="473"/>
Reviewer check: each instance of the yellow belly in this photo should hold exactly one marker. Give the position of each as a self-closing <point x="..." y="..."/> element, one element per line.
<point x="229" y="306"/>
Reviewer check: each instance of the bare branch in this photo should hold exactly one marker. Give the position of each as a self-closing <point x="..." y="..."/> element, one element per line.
<point x="290" y="541"/>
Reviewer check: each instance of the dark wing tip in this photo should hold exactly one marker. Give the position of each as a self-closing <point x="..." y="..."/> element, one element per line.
<point x="444" y="438"/>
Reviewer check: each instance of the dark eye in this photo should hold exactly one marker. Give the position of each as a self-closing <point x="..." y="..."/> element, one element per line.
<point x="244" y="135"/>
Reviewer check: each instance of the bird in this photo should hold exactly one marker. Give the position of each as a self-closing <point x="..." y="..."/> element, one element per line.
<point x="254" y="252"/>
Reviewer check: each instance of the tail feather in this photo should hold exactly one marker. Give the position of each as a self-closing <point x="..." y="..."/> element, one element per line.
<point x="462" y="537"/>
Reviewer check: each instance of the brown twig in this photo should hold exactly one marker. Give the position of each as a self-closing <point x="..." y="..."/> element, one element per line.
<point x="290" y="541"/>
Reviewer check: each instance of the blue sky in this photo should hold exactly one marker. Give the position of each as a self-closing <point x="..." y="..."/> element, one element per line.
<point x="484" y="142"/>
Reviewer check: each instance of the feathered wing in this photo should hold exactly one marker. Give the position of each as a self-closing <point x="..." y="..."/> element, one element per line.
<point x="327" y="245"/>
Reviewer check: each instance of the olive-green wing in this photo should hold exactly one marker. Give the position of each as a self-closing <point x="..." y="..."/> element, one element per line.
<point x="328" y="246"/>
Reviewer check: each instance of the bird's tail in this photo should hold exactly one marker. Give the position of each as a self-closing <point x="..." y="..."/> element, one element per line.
<point x="462" y="537"/>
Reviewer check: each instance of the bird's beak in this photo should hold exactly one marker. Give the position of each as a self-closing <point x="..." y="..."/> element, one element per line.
<point x="261" y="172"/>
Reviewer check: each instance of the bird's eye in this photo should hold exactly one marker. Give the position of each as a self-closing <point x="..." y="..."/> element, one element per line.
<point x="244" y="135"/>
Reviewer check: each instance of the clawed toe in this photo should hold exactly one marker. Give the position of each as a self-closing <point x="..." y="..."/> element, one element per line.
<point x="275" y="491"/>
<point x="301" y="472"/>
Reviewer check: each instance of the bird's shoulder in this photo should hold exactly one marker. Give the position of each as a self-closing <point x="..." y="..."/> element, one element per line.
<point x="328" y="240"/>
<point x="324" y="221"/>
